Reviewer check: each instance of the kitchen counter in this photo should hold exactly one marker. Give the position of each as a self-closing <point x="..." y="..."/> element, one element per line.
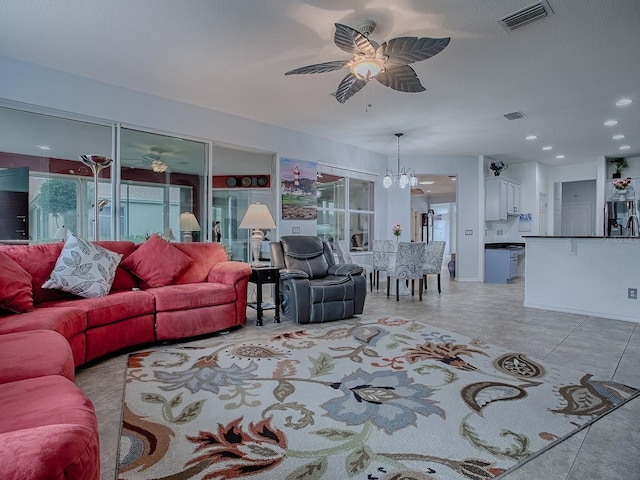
<point x="508" y="245"/>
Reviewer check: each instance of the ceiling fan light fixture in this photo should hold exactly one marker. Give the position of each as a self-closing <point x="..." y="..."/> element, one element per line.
<point x="158" y="166"/>
<point x="367" y="68"/>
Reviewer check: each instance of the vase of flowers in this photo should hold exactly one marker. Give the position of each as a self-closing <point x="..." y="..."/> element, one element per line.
<point x="497" y="168"/>
<point x="397" y="231"/>
<point x="620" y="187"/>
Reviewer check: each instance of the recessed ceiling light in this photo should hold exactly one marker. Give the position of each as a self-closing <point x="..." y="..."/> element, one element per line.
<point x="44" y="147"/>
<point x="618" y="137"/>
<point x="625" y="147"/>
<point x="547" y="147"/>
<point x="623" y="102"/>
<point x="531" y="137"/>
<point x="427" y="183"/>
<point x="559" y="157"/>
<point x="610" y="123"/>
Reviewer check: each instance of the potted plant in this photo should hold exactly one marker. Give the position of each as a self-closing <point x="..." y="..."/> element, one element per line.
<point x="497" y="167"/>
<point x="620" y="164"/>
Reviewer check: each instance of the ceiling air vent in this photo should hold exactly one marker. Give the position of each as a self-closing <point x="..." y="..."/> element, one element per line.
<point x="514" y="115"/>
<point x="537" y="11"/>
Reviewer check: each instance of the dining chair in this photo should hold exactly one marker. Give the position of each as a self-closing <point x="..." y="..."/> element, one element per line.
<point x="345" y="257"/>
<point x="433" y="255"/>
<point x="381" y="251"/>
<point x="408" y="266"/>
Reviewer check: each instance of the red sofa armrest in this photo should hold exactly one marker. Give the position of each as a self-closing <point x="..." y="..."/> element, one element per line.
<point x="229" y="273"/>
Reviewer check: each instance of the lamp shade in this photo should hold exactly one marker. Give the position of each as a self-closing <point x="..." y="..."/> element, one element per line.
<point x="189" y="223"/>
<point x="258" y="216"/>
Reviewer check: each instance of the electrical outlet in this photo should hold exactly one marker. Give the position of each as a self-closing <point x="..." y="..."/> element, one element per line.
<point x="632" y="293"/>
<point x="468" y="232"/>
<point x="295" y="229"/>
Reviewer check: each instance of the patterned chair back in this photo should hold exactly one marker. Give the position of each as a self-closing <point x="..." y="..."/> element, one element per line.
<point x="409" y="261"/>
<point x="433" y="256"/>
<point x="343" y="252"/>
<point x="381" y="250"/>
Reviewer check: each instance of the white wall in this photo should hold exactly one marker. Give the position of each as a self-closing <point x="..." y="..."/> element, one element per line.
<point x="589" y="277"/>
<point x="470" y="188"/>
<point x="573" y="173"/>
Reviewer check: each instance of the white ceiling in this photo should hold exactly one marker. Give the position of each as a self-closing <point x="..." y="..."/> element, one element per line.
<point x="565" y="72"/>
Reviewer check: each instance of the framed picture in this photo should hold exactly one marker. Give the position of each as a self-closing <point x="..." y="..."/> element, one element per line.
<point x="298" y="189"/>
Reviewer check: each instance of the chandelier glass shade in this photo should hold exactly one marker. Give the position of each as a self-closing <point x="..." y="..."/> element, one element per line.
<point x="404" y="176"/>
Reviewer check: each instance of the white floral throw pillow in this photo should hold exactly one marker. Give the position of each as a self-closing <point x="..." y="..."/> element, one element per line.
<point x="84" y="269"/>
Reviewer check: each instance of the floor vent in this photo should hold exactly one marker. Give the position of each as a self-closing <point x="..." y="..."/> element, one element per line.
<point x="527" y="15"/>
<point x="514" y="115"/>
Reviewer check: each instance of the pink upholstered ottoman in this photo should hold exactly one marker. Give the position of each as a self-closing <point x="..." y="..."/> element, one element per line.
<point x="48" y="430"/>
<point x="34" y="353"/>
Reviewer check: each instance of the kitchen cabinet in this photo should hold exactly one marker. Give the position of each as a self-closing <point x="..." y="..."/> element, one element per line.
<point x="501" y="264"/>
<point x="513" y="198"/>
<point x="502" y="198"/>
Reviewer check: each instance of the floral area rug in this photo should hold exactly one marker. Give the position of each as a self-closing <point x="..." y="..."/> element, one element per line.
<point x="385" y="400"/>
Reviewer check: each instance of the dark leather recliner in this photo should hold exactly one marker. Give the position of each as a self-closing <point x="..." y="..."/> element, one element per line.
<point x="313" y="288"/>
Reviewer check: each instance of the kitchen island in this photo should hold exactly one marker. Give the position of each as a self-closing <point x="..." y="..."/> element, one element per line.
<point x="584" y="275"/>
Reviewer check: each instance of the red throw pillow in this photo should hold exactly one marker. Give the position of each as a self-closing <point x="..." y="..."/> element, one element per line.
<point x="157" y="262"/>
<point x="16" y="293"/>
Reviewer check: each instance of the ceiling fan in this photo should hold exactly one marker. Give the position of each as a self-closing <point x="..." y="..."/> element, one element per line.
<point x="387" y="63"/>
<point x="152" y="159"/>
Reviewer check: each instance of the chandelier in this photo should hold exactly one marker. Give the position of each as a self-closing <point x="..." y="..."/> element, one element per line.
<point x="404" y="176"/>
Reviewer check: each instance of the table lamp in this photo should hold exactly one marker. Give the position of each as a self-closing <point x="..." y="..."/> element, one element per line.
<point x="257" y="218"/>
<point x="188" y="225"/>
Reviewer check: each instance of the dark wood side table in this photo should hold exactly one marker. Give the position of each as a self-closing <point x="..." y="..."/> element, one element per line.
<point x="262" y="276"/>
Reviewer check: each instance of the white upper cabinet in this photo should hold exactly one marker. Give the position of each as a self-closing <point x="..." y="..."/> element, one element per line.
<point x="502" y="198"/>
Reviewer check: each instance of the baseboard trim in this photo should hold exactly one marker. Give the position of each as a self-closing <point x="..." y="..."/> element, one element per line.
<point x="577" y="311"/>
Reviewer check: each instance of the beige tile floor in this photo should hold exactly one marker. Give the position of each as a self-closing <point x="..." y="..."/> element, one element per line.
<point x="607" y="450"/>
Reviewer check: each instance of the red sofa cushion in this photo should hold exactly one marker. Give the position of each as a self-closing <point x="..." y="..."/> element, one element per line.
<point x="157" y="262"/>
<point x="22" y="355"/>
<point x="50" y="433"/>
<point x="67" y="321"/>
<point x="110" y="309"/>
<point x="205" y="256"/>
<point x="16" y="295"/>
<point x="195" y="295"/>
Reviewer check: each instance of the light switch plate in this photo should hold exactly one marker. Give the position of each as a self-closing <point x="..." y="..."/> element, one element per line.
<point x="468" y="232"/>
<point x="295" y="229"/>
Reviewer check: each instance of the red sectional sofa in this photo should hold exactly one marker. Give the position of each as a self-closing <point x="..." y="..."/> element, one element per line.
<point x="47" y="425"/>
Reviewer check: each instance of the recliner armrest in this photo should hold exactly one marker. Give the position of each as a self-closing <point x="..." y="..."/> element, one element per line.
<point x="287" y="274"/>
<point x="345" y="269"/>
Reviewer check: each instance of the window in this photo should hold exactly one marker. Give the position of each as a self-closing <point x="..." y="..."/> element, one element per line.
<point x="345" y="210"/>
<point x="159" y="179"/>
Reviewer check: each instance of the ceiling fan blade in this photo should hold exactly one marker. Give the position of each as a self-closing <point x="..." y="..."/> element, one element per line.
<point x="352" y="41"/>
<point x="349" y="86"/>
<point x="405" y="50"/>
<point x="319" y="67"/>
<point x="400" y="77"/>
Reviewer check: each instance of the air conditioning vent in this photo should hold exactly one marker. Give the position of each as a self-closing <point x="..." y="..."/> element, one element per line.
<point x="527" y="15"/>
<point x="514" y="115"/>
